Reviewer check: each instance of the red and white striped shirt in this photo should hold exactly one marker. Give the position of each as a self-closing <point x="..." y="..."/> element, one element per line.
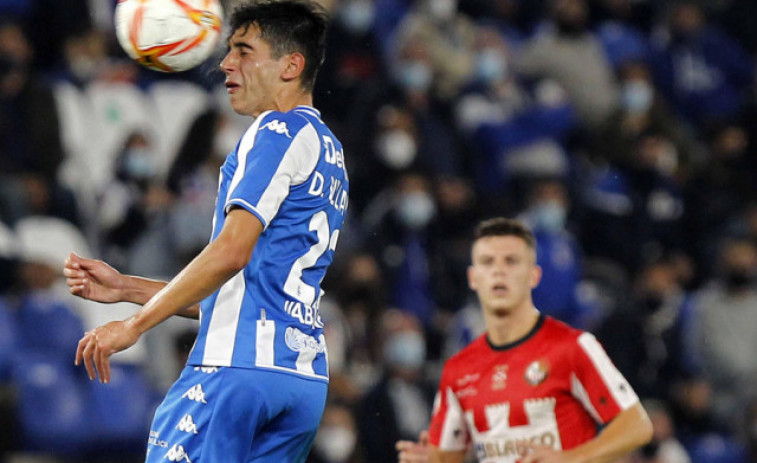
<point x="553" y="387"/>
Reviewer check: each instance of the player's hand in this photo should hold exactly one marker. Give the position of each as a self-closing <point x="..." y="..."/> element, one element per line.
<point x="96" y="347"/>
<point x="92" y="279"/>
<point x="413" y="452"/>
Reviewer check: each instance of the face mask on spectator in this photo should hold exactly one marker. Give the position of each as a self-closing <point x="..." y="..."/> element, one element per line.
<point x="335" y="443"/>
<point x="738" y="279"/>
<point x="442" y="10"/>
<point x="415" y="75"/>
<point x="549" y="216"/>
<point x="636" y="96"/>
<point x="139" y="163"/>
<point x="406" y="349"/>
<point x="491" y="65"/>
<point x="416" y="209"/>
<point x="396" y="148"/>
<point x="358" y="15"/>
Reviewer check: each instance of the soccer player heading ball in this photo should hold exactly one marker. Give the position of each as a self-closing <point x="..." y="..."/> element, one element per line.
<point x="531" y="389"/>
<point x="255" y="384"/>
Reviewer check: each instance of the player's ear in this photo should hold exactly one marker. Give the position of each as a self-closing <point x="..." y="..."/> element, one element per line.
<point x="536" y="274"/>
<point x="471" y="280"/>
<point x="294" y="65"/>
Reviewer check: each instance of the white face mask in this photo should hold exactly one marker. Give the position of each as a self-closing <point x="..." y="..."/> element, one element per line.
<point x="396" y="148"/>
<point x="406" y="349"/>
<point x="335" y="443"/>
<point x="491" y="65"/>
<point x="416" y="209"/>
<point x="637" y="96"/>
<point x="358" y="15"/>
<point x="415" y="75"/>
<point x="442" y="10"/>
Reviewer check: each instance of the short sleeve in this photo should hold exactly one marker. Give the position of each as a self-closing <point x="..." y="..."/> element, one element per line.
<point x="597" y="383"/>
<point x="277" y="152"/>
<point x="448" y="430"/>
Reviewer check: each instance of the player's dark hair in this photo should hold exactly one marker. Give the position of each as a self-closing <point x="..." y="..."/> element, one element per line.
<point x="501" y="226"/>
<point x="288" y="26"/>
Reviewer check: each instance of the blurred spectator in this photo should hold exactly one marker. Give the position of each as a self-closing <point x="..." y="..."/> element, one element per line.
<point x="336" y="441"/>
<point x="512" y="129"/>
<point x="619" y="32"/>
<point x="399" y="406"/>
<point x="568" y="52"/>
<point x="641" y="111"/>
<point x="133" y="213"/>
<point x="698" y="67"/>
<point x="557" y="253"/>
<point x="400" y="224"/>
<point x="30" y="142"/>
<point x="193" y="181"/>
<point x="635" y="214"/>
<point x="647" y="336"/>
<point x="723" y="333"/>
<point x="434" y="45"/>
<point x="87" y="60"/>
<point x="721" y="189"/>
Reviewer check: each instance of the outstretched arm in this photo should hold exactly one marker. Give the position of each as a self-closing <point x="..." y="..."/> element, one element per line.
<point x="423" y="452"/>
<point x="629" y="430"/>
<point x="223" y="258"/>
<point x="97" y="281"/>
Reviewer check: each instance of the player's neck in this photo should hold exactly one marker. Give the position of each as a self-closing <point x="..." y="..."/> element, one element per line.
<point x="290" y="98"/>
<point x="510" y="327"/>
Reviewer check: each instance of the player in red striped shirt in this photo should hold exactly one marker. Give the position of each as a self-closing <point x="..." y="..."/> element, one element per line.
<point x="531" y="389"/>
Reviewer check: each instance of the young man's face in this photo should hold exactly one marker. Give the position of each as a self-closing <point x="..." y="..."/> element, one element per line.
<point x="252" y="74"/>
<point x="503" y="273"/>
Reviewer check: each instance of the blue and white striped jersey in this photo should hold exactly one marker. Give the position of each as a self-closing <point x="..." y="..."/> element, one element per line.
<point x="288" y="170"/>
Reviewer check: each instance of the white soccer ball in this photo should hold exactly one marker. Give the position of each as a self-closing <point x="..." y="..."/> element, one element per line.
<point x="169" y="35"/>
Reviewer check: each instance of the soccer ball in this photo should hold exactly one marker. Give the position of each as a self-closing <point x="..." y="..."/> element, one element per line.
<point x="168" y="35"/>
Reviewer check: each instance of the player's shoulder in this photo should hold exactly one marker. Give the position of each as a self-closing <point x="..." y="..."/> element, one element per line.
<point x="282" y="124"/>
<point x="467" y="356"/>
<point x="560" y="332"/>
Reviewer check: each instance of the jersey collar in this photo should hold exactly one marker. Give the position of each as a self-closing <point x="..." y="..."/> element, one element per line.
<point x="529" y="335"/>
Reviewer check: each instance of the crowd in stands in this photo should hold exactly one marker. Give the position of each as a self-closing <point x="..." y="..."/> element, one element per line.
<point x="624" y="132"/>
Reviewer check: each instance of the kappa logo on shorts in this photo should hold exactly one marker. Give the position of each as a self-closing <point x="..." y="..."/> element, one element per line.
<point x="278" y="127"/>
<point x="207" y="370"/>
<point x="301" y="342"/>
<point x="195" y="393"/>
<point x="187" y="424"/>
<point x="177" y="453"/>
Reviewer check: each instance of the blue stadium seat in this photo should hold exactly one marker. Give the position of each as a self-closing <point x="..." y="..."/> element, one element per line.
<point x="7" y="341"/>
<point x="715" y="448"/>
<point x="50" y="326"/>
<point x="123" y="410"/>
<point x="52" y="405"/>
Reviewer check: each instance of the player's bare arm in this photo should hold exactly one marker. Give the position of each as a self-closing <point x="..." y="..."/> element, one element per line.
<point x="217" y="263"/>
<point x="444" y="456"/>
<point x="97" y="281"/>
<point x="629" y="430"/>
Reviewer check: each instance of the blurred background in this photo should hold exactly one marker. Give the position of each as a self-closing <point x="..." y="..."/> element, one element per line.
<point x="623" y="131"/>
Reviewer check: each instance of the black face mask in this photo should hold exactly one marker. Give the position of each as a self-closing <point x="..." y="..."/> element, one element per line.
<point x="737" y="279"/>
<point x="571" y="28"/>
<point x="652" y="302"/>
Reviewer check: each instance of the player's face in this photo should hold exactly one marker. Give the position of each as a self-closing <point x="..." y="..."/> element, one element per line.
<point x="503" y="273"/>
<point x="252" y="74"/>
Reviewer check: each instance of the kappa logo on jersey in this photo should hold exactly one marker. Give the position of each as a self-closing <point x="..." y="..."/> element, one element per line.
<point x="207" y="370"/>
<point x="195" y="393"/>
<point x="537" y="372"/>
<point x="177" y="453"/>
<point x="278" y="127"/>
<point x="301" y="342"/>
<point x="187" y="424"/>
<point x="499" y="377"/>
